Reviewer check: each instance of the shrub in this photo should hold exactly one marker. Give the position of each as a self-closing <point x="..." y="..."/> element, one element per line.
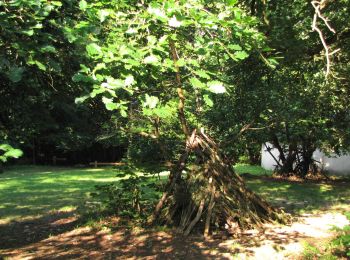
<point x="133" y="196"/>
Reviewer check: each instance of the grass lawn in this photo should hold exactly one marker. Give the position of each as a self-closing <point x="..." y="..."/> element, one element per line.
<point x="251" y="169"/>
<point x="303" y="197"/>
<point x="32" y="191"/>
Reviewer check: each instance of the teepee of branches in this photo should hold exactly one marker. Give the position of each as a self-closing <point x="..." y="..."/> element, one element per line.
<point x="210" y="194"/>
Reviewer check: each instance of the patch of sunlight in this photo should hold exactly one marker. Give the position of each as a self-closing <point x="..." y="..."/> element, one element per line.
<point x="340" y="207"/>
<point x="96" y="170"/>
<point x="42" y="172"/>
<point x="105" y="179"/>
<point x="324" y="188"/>
<point x="164" y="173"/>
<point x="23" y="207"/>
<point x="48" y="181"/>
<point x="68" y="208"/>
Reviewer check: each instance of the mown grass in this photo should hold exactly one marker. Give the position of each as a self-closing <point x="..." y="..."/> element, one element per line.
<point x="30" y="191"/>
<point x="251" y="169"/>
<point x="303" y="197"/>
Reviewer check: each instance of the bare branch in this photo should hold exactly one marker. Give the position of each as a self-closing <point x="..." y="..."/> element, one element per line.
<point x="318" y="6"/>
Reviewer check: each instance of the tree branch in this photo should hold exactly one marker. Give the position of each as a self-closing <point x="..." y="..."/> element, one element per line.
<point x="318" y="6"/>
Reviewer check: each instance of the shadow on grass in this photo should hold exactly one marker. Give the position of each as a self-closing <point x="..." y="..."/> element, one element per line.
<point x="18" y="234"/>
<point x="126" y="243"/>
<point x="56" y="235"/>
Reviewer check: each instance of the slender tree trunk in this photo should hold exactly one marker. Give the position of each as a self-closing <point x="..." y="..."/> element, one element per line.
<point x="34" y="152"/>
<point x="307" y="151"/>
<point x="180" y="92"/>
<point x="277" y="145"/>
<point x="161" y="145"/>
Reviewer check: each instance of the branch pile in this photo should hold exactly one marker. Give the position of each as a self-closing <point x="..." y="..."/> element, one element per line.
<point x="211" y="194"/>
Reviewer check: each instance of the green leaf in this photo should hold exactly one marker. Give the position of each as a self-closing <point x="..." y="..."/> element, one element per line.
<point x="83" y="5"/>
<point x="94" y="50"/>
<point x="208" y="101"/>
<point x="216" y="87"/>
<point x="234" y="47"/>
<point x="109" y="104"/>
<point x="196" y="83"/>
<point x="13" y="153"/>
<point x="129" y="80"/>
<point x="123" y="113"/>
<point x="78" y="77"/>
<point x="28" y="32"/>
<point x="181" y="62"/>
<point x="9" y="152"/>
<point x="163" y="112"/>
<point x="96" y="91"/>
<point x="152" y="40"/>
<point x="157" y="13"/>
<point x="202" y="74"/>
<point x="56" y="3"/>
<point x="173" y="22"/>
<point x="231" y="2"/>
<point x="15" y="74"/>
<point x="102" y="14"/>
<point x="40" y="65"/>
<point x="151" y="59"/>
<point x="241" y="55"/>
<point x="48" y="48"/>
<point x="80" y="100"/>
<point x="113" y="83"/>
<point x="151" y="101"/>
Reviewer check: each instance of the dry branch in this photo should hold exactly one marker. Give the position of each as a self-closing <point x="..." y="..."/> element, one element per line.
<point x="214" y="191"/>
<point x="318" y="6"/>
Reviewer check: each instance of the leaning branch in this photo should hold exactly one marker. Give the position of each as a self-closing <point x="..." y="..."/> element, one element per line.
<point x="318" y="6"/>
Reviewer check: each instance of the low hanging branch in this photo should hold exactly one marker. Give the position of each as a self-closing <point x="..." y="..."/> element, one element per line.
<point x="318" y="6"/>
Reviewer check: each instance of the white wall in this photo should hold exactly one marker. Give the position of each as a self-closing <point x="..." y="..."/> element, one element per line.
<point x="267" y="161"/>
<point x="338" y="165"/>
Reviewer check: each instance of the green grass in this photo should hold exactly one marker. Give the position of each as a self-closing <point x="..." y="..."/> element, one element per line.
<point x="303" y="197"/>
<point x="296" y="197"/>
<point x="30" y="191"/>
<point x="251" y="169"/>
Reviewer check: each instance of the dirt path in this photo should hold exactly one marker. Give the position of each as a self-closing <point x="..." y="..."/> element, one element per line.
<point x="56" y="237"/>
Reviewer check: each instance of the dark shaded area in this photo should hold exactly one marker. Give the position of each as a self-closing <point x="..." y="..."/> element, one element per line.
<point x="45" y="154"/>
<point x="126" y="243"/>
<point x="18" y="234"/>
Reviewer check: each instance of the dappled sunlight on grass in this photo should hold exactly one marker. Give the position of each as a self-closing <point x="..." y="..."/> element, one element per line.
<point x="301" y="197"/>
<point x="36" y="190"/>
<point x="32" y="191"/>
<point x="325" y="188"/>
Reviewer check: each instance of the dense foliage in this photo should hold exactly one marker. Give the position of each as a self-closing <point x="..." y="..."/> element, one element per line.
<point x="56" y="52"/>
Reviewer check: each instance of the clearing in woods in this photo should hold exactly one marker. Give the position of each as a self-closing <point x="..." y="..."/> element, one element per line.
<point x="39" y="219"/>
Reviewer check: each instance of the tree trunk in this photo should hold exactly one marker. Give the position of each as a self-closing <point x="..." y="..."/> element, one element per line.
<point x="306" y="157"/>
